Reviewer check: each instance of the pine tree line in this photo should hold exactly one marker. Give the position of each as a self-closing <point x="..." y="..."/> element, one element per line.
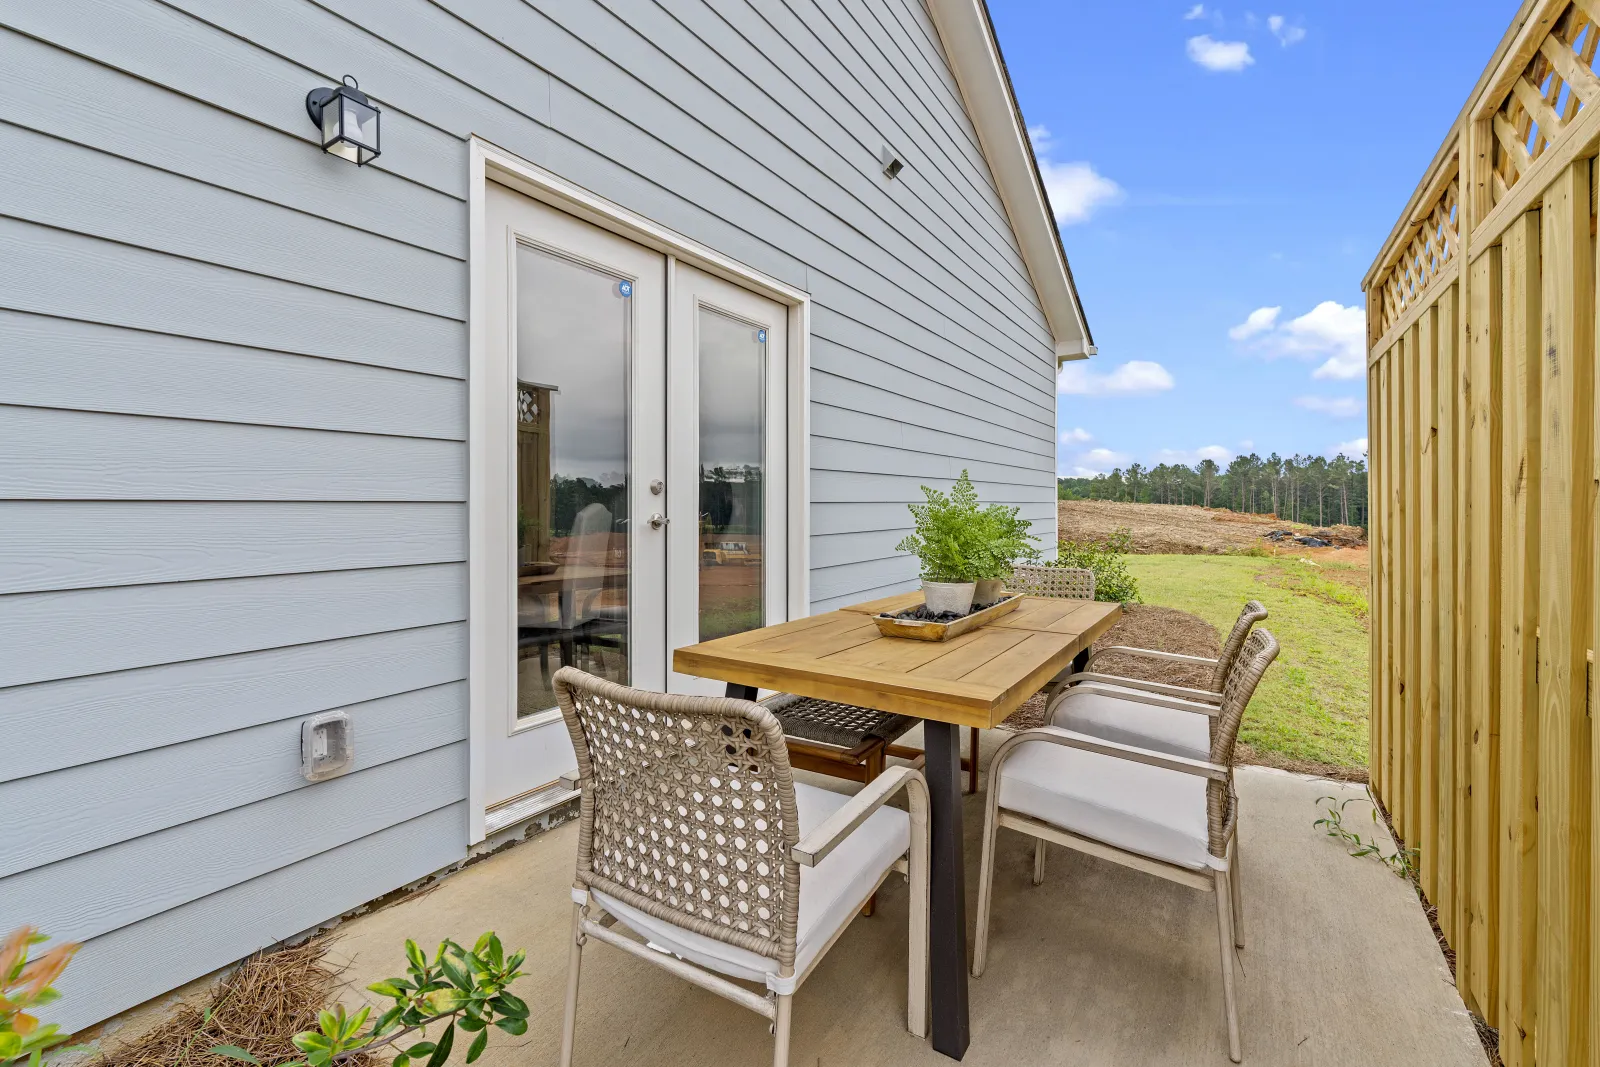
<point x="1310" y="489"/>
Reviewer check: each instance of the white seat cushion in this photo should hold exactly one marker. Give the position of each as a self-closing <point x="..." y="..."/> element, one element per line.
<point x="831" y="893"/>
<point x="1133" y="806"/>
<point x="1128" y="722"/>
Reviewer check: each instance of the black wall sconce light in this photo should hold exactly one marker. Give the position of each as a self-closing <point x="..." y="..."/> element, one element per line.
<point x="348" y="121"/>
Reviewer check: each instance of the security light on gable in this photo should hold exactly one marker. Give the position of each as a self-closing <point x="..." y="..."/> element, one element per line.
<point x="348" y="121"/>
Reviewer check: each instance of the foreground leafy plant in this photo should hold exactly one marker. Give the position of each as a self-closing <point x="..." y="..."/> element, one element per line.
<point x="25" y="984"/>
<point x="947" y="532"/>
<point x="1108" y="560"/>
<point x="465" y="990"/>
<point x="1403" y="861"/>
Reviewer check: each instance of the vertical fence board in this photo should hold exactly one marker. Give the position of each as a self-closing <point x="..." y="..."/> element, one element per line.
<point x="1566" y="403"/>
<point x="1413" y="591"/>
<point x="1427" y="771"/>
<point x="1444" y="796"/>
<point x="1519" y="616"/>
<point x="1483" y="510"/>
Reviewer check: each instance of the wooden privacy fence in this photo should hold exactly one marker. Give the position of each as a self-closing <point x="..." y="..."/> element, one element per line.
<point x="1481" y="314"/>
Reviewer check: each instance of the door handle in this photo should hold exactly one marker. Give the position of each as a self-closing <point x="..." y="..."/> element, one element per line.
<point x="658" y="520"/>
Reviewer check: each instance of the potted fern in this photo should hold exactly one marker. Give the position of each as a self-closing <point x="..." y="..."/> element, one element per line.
<point x="944" y="540"/>
<point x="1003" y="542"/>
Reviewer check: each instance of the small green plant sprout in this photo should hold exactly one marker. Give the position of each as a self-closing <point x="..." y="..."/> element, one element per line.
<point x="465" y="990"/>
<point x="1403" y="861"/>
<point x="947" y="532"/>
<point x="25" y="985"/>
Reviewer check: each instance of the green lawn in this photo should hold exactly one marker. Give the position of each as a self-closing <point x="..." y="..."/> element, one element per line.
<point x="1312" y="704"/>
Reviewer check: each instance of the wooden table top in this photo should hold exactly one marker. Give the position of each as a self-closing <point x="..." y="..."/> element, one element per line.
<point x="976" y="679"/>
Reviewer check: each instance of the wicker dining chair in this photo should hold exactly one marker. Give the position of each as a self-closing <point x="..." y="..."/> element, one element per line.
<point x="694" y="836"/>
<point x="1135" y="712"/>
<point x="1070" y="583"/>
<point x="1171" y="816"/>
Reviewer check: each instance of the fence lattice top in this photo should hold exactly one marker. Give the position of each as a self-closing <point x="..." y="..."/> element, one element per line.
<point x="1547" y="95"/>
<point x="1433" y="246"/>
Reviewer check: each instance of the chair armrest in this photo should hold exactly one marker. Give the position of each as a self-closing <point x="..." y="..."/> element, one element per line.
<point x="1071" y="739"/>
<point x="1199" y="696"/>
<point x="816" y="845"/>
<point x="1152" y="699"/>
<point x="1152" y="653"/>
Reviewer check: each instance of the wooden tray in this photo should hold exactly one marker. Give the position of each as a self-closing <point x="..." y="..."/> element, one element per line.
<point x="917" y="630"/>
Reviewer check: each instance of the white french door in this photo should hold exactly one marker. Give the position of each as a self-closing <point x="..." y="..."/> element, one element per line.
<point x="635" y="472"/>
<point x="726" y="453"/>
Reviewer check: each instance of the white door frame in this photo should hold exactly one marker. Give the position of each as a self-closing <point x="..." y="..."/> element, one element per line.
<point x="485" y="162"/>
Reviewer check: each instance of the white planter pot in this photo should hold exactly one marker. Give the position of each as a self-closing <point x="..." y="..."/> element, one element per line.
<point x="948" y="597"/>
<point x="989" y="591"/>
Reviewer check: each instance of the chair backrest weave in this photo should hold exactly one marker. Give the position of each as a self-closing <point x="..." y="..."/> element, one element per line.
<point x="1260" y="649"/>
<point x="687" y="810"/>
<point x="1071" y="583"/>
<point x="1254" y="612"/>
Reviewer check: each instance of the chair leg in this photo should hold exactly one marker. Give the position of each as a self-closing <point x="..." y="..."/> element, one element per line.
<point x="917" y="935"/>
<point x="1236" y="881"/>
<point x="1038" y="861"/>
<point x="780" y="1031"/>
<point x="1224" y="894"/>
<point x="873" y="768"/>
<point x="980" y="944"/>
<point x="972" y="770"/>
<point x="569" y="1018"/>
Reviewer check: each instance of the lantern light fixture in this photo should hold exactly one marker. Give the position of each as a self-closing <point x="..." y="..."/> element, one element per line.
<point x="347" y="120"/>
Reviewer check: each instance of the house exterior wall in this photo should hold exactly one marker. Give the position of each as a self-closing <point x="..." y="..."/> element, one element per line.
<point x="233" y="416"/>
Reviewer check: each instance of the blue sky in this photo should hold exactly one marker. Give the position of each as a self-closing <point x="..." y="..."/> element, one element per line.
<point x="1209" y="164"/>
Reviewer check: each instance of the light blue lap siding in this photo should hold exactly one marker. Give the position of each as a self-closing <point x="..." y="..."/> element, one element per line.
<point x="233" y="399"/>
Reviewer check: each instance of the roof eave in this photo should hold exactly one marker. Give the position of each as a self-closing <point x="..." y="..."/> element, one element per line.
<point x="973" y="53"/>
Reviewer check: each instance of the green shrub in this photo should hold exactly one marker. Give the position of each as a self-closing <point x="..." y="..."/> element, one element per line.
<point x="1108" y="560"/>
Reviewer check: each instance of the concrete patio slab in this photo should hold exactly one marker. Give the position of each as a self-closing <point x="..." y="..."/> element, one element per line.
<point x="1099" y="966"/>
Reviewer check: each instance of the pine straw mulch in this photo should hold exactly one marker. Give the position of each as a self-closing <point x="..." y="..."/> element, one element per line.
<point x="1170" y="630"/>
<point x="270" y="997"/>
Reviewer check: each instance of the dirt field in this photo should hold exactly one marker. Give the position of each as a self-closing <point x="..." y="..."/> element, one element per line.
<point x="1188" y="530"/>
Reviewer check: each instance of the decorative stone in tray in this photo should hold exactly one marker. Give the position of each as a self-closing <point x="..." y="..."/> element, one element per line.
<point x="919" y="625"/>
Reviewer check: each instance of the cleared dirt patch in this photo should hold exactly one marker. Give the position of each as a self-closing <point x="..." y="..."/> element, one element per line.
<point x="1187" y="530"/>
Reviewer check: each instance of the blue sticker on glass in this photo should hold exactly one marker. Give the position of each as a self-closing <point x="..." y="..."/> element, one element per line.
<point x="761" y="335"/>
<point x="625" y="288"/>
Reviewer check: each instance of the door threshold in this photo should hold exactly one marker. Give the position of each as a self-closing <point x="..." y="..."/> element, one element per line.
<point x="528" y="805"/>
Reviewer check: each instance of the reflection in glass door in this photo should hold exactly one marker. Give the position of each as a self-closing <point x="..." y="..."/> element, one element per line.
<point x="572" y="354"/>
<point x="574" y="416"/>
<point x="726" y="444"/>
<point x="732" y="374"/>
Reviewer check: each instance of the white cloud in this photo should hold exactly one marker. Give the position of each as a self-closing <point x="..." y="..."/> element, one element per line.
<point x="1191" y="456"/>
<point x="1076" y="436"/>
<point x="1136" y="376"/>
<point x="1349" y="449"/>
<point x="1340" y="407"/>
<point x="1198" y="11"/>
<point x="1258" y="321"/>
<point x="1098" y="461"/>
<point x="1217" y="55"/>
<point x="1332" y="332"/>
<point x="1075" y="189"/>
<point x="1286" y="34"/>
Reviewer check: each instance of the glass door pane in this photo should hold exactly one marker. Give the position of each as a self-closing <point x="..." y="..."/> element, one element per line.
<point x="573" y="347"/>
<point x="733" y="397"/>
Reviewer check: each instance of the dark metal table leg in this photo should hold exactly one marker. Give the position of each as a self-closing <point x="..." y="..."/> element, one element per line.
<point x="1080" y="662"/>
<point x="741" y="692"/>
<point x="947" y="916"/>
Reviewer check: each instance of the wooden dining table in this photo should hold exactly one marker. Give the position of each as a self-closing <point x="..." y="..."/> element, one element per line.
<point x="975" y="679"/>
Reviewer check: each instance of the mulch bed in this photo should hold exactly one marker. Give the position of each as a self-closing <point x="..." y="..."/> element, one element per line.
<point x="270" y="997"/>
<point x="1142" y="626"/>
<point x="1170" y="630"/>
